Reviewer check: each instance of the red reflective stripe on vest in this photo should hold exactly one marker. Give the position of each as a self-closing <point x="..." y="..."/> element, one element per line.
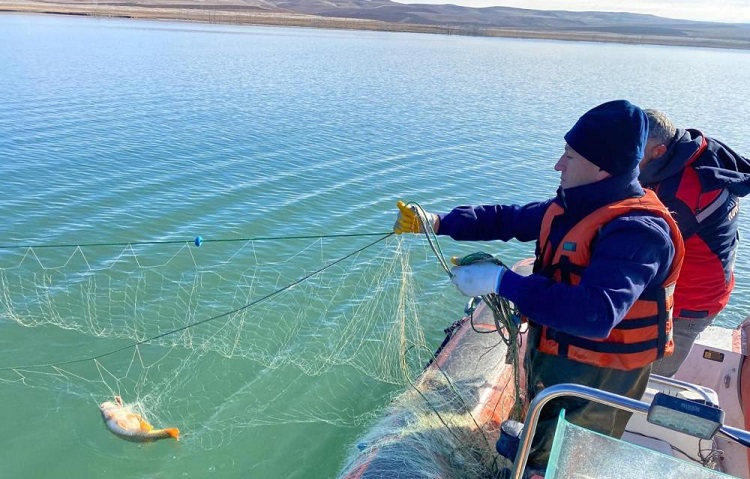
<point x="630" y="341"/>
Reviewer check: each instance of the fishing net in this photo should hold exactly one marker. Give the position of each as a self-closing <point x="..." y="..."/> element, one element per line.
<point x="224" y="337"/>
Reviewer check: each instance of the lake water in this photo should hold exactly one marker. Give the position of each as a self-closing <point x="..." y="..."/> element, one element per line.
<point x="275" y="344"/>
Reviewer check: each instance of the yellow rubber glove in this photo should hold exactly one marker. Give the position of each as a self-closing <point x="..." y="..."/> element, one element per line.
<point x="408" y="220"/>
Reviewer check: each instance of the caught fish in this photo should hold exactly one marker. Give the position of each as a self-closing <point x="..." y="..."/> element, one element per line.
<point x="123" y="422"/>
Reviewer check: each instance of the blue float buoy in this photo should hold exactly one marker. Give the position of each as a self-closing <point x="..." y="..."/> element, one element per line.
<point x="198" y="241"/>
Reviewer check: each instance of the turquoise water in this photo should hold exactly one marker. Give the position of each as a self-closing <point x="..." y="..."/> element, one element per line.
<point x="116" y="132"/>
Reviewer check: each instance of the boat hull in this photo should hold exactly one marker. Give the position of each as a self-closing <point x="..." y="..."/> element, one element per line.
<point x="447" y="423"/>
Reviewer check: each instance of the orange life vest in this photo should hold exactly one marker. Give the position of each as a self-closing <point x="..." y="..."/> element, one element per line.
<point x="645" y="333"/>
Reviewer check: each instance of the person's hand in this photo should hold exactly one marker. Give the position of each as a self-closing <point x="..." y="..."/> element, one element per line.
<point x="408" y="220"/>
<point x="478" y="279"/>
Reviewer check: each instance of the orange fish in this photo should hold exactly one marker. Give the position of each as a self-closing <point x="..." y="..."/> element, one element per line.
<point x="123" y="422"/>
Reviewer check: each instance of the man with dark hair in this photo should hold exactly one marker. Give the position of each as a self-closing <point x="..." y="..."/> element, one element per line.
<point x="607" y="256"/>
<point x="699" y="179"/>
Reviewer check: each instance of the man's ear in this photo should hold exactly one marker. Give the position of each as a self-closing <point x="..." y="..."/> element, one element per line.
<point x="659" y="150"/>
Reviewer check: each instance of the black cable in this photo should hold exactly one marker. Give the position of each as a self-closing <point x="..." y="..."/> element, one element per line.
<point x="674" y="448"/>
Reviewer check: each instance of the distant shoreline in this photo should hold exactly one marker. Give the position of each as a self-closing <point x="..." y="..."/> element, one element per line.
<point x="255" y="16"/>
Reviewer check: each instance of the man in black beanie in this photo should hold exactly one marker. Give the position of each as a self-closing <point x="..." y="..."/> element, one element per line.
<point x="607" y="256"/>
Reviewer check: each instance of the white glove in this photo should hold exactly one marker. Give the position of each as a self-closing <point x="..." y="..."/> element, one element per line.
<point x="478" y="279"/>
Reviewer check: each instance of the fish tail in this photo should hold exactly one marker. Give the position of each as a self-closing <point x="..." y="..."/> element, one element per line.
<point x="171" y="432"/>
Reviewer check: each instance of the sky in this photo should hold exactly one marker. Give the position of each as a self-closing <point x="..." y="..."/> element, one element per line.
<point x="737" y="11"/>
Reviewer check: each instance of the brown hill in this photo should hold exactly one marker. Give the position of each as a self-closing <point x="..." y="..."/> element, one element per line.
<point x="391" y="16"/>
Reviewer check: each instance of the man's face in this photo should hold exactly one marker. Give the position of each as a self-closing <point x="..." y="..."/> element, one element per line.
<point x="575" y="170"/>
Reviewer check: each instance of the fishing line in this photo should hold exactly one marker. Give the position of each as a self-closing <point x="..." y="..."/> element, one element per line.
<point x="508" y="324"/>
<point x="506" y="317"/>
<point x="198" y="241"/>
<point x="431" y="236"/>
<point x="503" y="314"/>
<point x="206" y="320"/>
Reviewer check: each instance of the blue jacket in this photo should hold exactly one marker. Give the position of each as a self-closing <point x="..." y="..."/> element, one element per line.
<point x="632" y="252"/>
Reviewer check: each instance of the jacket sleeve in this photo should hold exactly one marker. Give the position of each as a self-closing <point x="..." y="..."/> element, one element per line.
<point x="721" y="167"/>
<point x="494" y="222"/>
<point x="631" y="253"/>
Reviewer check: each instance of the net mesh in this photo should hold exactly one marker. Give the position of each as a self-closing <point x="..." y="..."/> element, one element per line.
<point x="226" y="337"/>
